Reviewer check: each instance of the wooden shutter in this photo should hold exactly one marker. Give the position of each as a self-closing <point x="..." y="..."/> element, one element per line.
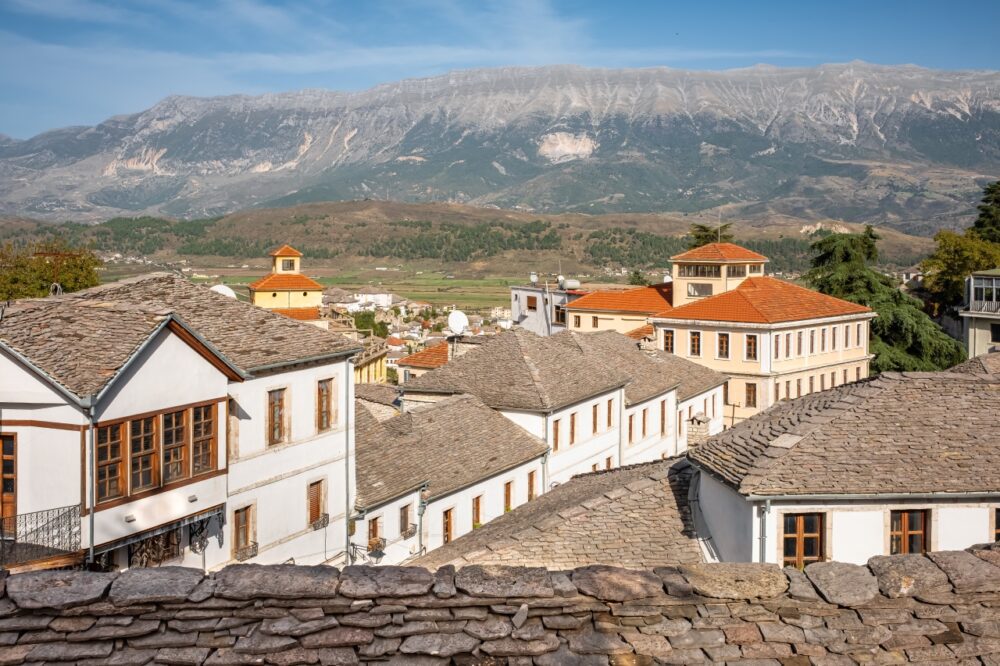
<point x="315" y="501"/>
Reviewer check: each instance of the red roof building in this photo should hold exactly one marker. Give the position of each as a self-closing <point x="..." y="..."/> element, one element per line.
<point x="719" y="252"/>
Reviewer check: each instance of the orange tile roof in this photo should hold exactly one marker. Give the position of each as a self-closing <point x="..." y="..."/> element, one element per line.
<point x="719" y="252"/>
<point x="643" y="300"/>
<point x="765" y="300"/>
<point x="432" y="357"/>
<point x="301" y="314"/>
<point x="285" y="251"/>
<point x="285" y="282"/>
<point x="641" y="333"/>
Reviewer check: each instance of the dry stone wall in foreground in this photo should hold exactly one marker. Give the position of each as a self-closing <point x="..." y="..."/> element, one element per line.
<point x="943" y="608"/>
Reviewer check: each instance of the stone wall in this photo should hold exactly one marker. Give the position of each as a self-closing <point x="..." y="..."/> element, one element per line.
<point x="944" y="608"/>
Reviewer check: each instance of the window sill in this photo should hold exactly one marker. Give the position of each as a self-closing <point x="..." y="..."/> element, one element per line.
<point x="173" y="485"/>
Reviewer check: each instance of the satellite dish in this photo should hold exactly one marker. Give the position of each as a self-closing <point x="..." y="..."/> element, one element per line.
<point x="457" y="322"/>
<point x="224" y="290"/>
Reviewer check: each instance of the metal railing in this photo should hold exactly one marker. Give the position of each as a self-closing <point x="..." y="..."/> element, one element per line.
<point x="409" y="532"/>
<point x="246" y="552"/>
<point x="320" y="522"/>
<point x="984" y="306"/>
<point x="39" y="535"/>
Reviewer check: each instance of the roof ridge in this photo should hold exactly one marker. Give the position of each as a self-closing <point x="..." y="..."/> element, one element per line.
<point x="533" y="372"/>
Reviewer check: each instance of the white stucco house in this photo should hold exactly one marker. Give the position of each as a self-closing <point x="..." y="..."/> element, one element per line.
<point x="541" y="308"/>
<point x="596" y="399"/>
<point x="436" y="472"/>
<point x="902" y="463"/>
<point x="209" y="425"/>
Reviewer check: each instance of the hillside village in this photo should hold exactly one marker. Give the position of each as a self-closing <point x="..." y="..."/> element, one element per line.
<point x="734" y="410"/>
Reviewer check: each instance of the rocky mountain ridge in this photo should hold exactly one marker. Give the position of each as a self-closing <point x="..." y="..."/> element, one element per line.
<point x="900" y="146"/>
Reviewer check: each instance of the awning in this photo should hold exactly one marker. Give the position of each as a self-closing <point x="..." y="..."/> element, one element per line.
<point x="215" y="511"/>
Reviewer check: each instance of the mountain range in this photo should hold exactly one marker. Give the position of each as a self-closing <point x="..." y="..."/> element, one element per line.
<point x="899" y="146"/>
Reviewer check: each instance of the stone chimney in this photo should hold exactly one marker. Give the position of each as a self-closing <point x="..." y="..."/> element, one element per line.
<point x="697" y="430"/>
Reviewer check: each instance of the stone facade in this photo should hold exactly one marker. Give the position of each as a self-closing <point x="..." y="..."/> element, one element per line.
<point x="944" y="608"/>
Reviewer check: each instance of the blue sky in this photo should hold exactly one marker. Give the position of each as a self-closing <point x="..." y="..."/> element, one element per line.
<point x="78" y="62"/>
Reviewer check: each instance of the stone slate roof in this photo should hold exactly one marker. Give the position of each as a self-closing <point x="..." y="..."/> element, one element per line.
<point x="650" y="373"/>
<point x="80" y="345"/>
<point x="634" y="516"/>
<point x="383" y="394"/>
<point x="899" y="433"/>
<point x="984" y="364"/>
<point x="448" y="445"/>
<point x="520" y="370"/>
<point x="248" y="336"/>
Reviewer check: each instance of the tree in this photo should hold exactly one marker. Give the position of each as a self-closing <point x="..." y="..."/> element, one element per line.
<point x="29" y="271"/>
<point x="903" y="337"/>
<point x="702" y="234"/>
<point x="638" y="279"/>
<point x="954" y="259"/>
<point x="365" y="321"/>
<point x="987" y="225"/>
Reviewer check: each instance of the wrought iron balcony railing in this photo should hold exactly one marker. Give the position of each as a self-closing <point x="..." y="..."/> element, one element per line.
<point x="321" y="522"/>
<point x="39" y="535"/>
<point x="246" y="552"/>
<point x="409" y="532"/>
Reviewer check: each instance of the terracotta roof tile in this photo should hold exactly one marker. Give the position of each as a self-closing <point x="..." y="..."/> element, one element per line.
<point x="642" y="332"/>
<point x="719" y="252"/>
<point x="643" y="300"/>
<point x="431" y="357"/>
<point x="765" y="300"/>
<point x="636" y="516"/>
<point x="285" y="251"/>
<point x="899" y="433"/>
<point x="301" y="314"/>
<point x="285" y="282"/>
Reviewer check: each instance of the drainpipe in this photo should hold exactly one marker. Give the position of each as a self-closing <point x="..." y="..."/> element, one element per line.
<point x="548" y="450"/>
<point x="421" y="507"/>
<point x="622" y="427"/>
<point x="348" y="431"/>
<point x="763" y="510"/>
<point x="91" y="486"/>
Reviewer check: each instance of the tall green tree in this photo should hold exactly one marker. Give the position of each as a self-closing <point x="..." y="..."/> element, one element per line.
<point x="702" y="234"/>
<point x="637" y="278"/>
<point x="987" y="225"/>
<point x="29" y="271"/>
<point x="955" y="258"/>
<point x="903" y="337"/>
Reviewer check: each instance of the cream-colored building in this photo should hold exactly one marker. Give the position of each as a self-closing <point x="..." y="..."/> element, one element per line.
<point x="287" y="291"/>
<point x="622" y="311"/>
<point x="982" y="312"/>
<point x="774" y="339"/>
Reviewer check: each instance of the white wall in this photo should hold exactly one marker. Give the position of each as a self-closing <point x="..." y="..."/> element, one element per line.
<point x="696" y="404"/>
<point x="656" y="445"/>
<point x="491" y="507"/>
<point x="589" y="449"/>
<point x="730" y="520"/>
<point x="397" y="549"/>
<point x="275" y="479"/>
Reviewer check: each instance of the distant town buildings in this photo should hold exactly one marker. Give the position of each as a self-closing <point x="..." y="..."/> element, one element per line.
<point x="541" y="308"/>
<point x="981" y="314"/>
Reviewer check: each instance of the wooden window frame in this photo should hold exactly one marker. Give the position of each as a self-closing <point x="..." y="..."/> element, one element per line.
<point x="631" y="427"/>
<point x="594" y="415"/>
<point x="531" y="303"/>
<point x="477" y="511"/>
<point x="847" y="336"/>
<point x="211" y="439"/>
<point x="668" y="340"/>
<point x="183" y="447"/>
<point x="788" y="389"/>
<point x="799" y="343"/>
<point x="243" y="534"/>
<point x="531" y="485"/>
<point x="405" y="512"/>
<point x="559" y="315"/>
<point x="722" y="345"/>
<point x="595" y="321"/>
<point x="788" y="345"/>
<point x="576" y="321"/>
<point x="508" y="496"/>
<point x="374" y="529"/>
<point x="572" y="429"/>
<point x="324" y="405"/>
<point x="833" y="338"/>
<point x="822" y="340"/>
<point x="7" y="525"/>
<point x="152" y="453"/>
<point x="798" y="387"/>
<point x="751" y="390"/>
<point x="609" y="462"/>
<point x="555" y="435"/>
<point x="799" y="536"/>
<point x="694" y="343"/>
<point x="812" y="384"/>
<point x="276" y="434"/>
<point x="645" y="421"/>
<point x="777" y="346"/>
<point x="111" y="462"/>
<point x="611" y="413"/>
<point x="663" y="416"/>
<point x="751" y="347"/>
<point x="315" y="501"/>
<point x="906" y="531"/>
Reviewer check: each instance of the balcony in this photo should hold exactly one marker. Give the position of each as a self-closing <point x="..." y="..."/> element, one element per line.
<point x="246" y="552"/>
<point x="320" y="522"/>
<point x="409" y="532"/>
<point x="53" y="534"/>
<point x="990" y="307"/>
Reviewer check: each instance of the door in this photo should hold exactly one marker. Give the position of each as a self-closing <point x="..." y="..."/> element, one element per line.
<point x="8" y="485"/>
